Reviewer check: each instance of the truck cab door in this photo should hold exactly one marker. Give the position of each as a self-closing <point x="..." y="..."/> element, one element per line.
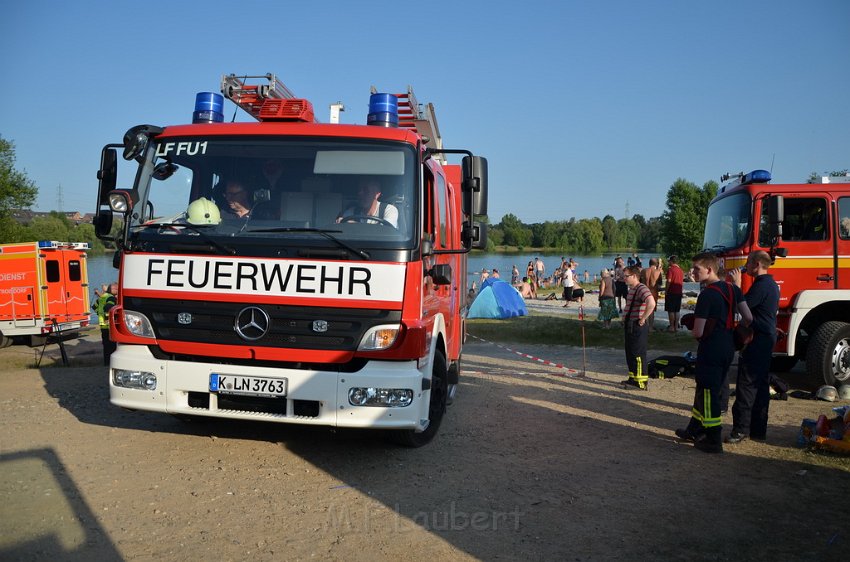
<point x="809" y="241"/>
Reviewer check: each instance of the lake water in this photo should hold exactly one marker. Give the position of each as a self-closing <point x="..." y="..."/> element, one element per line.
<point x="101" y="272"/>
<point x="504" y="263"/>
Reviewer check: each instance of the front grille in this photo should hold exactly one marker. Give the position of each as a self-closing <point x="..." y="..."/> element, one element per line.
<point x="289" y="326"/>
<point x="256" y="404"/>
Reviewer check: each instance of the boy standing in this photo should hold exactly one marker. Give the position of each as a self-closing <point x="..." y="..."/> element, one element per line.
<point x="639" y="306"/>
<point x="716" y="348"/>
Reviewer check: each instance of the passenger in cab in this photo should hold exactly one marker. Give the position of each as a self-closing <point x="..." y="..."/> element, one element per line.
<point x="237" y="200"/>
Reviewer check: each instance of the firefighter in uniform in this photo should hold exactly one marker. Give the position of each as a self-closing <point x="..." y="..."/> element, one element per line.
<point x="102" y="306"/>
<point x="639" y="306"/>
<point x="752" y="391"/>
<point x="708" y="324"/>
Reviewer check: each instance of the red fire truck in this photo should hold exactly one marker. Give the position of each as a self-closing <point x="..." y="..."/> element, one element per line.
<point x="43" y="290"/>
<point x="806" y="229"/>
<point x="292" y="271"/>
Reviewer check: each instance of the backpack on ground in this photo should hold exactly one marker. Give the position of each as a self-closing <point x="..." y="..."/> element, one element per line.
<point x="669" y="366"/>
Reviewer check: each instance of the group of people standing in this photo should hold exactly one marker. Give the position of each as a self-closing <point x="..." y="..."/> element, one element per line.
<point x="614" y="290"/>
<point x="632" y="291"/>
<point x="712" y="325"/>
<point x="535" y="277"/>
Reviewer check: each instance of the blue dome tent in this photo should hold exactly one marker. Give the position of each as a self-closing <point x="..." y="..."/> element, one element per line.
<point x="497" y="299"/>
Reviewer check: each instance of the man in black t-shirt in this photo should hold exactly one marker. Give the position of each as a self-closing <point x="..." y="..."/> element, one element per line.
<point x="711" y="325"/>
<point x="752" y="391"/>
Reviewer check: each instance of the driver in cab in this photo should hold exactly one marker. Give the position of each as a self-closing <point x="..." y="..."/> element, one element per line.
<point x="368" y="205"/>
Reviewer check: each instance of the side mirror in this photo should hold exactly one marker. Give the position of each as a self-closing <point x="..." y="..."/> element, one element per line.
<point x="102" y="223"/>
<point x="475" y="235"/>
<point x="474" y="173"/>
<point x="107" y="175"/>
<point x="136" y="140"/>
<point x="164" y="170"/>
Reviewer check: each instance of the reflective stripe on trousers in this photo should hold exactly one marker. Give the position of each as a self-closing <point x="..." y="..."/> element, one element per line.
<point x="705" y="417"/>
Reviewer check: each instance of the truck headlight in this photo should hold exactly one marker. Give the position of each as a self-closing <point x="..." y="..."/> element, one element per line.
<point x="142" y="380"/>
<point x="387" y="397"/>
<point x="379" y="337"/>
<point x="138" y="324"/>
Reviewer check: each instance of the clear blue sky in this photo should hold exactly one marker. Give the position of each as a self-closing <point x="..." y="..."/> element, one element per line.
<point x="580" y="107"/>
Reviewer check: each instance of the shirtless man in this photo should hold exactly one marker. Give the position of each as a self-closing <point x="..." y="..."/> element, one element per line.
<point x="526" y="289"/>
<point x="652" y="275"/>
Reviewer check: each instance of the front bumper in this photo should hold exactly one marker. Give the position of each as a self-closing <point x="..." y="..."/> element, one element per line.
<point x="314" y="397"/>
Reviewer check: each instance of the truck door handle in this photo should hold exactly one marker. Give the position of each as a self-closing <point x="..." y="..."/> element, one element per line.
<point x="825" y="277"/>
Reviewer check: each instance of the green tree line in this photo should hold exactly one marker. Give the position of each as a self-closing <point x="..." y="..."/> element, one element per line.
<point x="678" y="230"/>
<point x="17" y="192"/>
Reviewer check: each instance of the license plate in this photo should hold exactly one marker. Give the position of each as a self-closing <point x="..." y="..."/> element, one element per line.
<point x="249" y="386"/>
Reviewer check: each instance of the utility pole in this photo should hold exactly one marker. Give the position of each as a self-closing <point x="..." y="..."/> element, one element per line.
<point x="60" y="200"/>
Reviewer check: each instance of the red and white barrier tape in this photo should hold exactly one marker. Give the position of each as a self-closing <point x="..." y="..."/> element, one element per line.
<point x="568" y="371"/>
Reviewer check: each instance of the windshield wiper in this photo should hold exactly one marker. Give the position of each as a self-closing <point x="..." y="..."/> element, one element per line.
<point x="194" y="228"/>
<point x="326" y="233"/>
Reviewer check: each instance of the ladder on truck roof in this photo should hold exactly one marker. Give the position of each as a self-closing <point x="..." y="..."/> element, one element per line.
<point x="421" y="120"/>
<point x="251" y="97"/>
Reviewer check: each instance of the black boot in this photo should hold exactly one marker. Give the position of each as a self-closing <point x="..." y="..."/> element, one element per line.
<point x="693" y="432"/>
<point x="711" y="441"/>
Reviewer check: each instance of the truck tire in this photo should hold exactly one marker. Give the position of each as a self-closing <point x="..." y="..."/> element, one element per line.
<point x="436" y="407"/>
<point x="828" y="356"/>
<point x="5" y="341"/>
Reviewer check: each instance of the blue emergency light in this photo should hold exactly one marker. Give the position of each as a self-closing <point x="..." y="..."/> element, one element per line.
<point x="383" y="110"/>
<point x="757" y="176"/>
<point x="209" y="108"/>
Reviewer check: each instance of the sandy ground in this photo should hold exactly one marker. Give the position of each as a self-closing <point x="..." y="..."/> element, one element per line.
<point x="529" y="465"/>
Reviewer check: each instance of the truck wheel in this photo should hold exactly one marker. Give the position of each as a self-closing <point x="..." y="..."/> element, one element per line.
<point x="5" y="341"/>
<point x="782" y="363"/>
<point x="436" y="407"/>
<point x="828" y="356"/>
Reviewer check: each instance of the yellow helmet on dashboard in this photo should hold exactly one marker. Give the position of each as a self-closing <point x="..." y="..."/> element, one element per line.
<point x="203" y="211"/>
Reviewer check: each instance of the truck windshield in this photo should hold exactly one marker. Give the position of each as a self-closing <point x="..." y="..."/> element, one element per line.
<point x="361" y="190"/>
<point x="728" y="223"/>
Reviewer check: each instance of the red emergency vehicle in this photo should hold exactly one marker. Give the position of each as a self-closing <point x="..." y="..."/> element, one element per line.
<point x="43" y="290"/>
<point x="806" y="229"/>
<point x="337" y="299"/>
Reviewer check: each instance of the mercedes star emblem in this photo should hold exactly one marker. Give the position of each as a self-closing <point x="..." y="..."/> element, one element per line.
<point x="252" y="323"/>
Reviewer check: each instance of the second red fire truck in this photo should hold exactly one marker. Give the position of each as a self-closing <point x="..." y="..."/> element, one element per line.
<point x="806" y="229"/>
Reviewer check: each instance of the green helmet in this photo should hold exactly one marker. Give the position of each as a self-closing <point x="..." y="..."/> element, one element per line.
<point x="203" y="211"/>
